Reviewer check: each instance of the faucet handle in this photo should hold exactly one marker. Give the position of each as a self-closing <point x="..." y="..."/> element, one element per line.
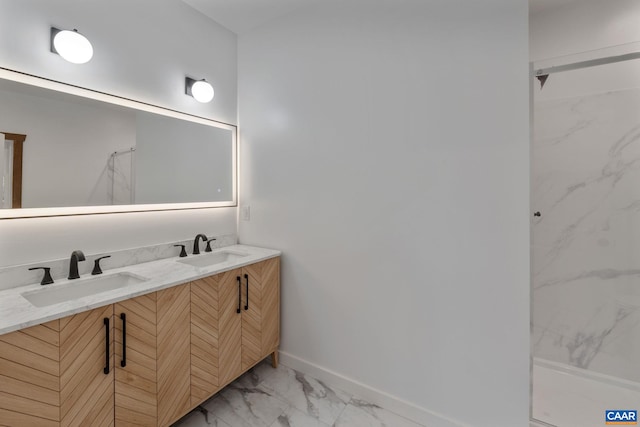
<point x="46" y="279"/>
<point x="208" y="248"/>
<point x="183" y="251"/>
<point x="96" y="265"/>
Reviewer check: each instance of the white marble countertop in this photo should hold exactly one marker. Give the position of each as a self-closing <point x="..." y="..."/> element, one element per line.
<point x="16" y="312"/>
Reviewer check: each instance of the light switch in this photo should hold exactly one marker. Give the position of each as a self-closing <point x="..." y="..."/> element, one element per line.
<point x="245" y="213"/>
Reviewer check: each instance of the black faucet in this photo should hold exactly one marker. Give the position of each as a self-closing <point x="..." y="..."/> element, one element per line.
<point x="196" y="243"/>
<point x="73" y="264"/>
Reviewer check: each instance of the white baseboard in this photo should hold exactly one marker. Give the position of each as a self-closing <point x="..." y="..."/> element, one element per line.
<point x="585" y="373"/>
<point x="401" y="407"/>
<point x="534" y="423"/>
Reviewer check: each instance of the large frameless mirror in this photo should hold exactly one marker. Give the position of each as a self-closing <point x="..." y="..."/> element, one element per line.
<point x="67" y="150"/>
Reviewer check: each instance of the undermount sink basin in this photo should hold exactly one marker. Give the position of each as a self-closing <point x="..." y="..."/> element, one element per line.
<point x="213" y="258"/>
<point x="81" y="288"/>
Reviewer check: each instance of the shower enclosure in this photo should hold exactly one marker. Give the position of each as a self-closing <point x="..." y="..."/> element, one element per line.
<point x="585" y="200"/>
<point x="121" y="175"/>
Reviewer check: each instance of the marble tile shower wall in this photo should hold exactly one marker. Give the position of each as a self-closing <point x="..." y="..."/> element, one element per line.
<point x="586" y="242"/>
<point x="19" y="275"/>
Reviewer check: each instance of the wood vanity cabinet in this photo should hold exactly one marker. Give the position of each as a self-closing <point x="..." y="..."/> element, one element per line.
<point x="214" y="330"/>
<point x="53" y="374"/>
<point x="145" y="361"/>
<point x="230" y="334"/>
<point x="153" y="386"/>
<point x="86" y="386"/>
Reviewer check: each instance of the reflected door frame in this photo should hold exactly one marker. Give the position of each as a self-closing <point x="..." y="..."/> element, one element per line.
<point x="18" y="146"/>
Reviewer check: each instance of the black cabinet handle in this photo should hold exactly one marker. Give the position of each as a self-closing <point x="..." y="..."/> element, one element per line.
<point x="246" y="277"/>
<point x="239" y="294"/>
<point x="123" y="362"/>
<point x="106" y="327"/>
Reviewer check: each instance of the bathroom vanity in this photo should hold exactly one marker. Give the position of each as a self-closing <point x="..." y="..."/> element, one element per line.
<point x="142" y="354"/>
<point x="153" y="336"/>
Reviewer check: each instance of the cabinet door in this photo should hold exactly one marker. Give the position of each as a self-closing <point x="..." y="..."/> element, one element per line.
<point x="86" y="387"/>
<point x="135" y="383"/>
<point x="29" y="377"/>
<point x="270" y="306"/>
<point x="204" y="338"/>
<point x="174" y="355"/>
<point x="229" y="327"/>
<point x="260" y="310"/>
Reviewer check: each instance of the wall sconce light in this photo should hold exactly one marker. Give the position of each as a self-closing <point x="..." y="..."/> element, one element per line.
<point x="201" y="90"/>
<point x="71" y="45"/>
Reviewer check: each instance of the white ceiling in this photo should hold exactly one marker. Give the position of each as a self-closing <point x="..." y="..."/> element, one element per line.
<point x="241" y="16"/>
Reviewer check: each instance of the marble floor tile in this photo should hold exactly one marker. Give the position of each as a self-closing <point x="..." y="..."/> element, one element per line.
<point x="359" y="413"/>
<point x="283" y="397"/>
<point x="241" y="406"/>
<point x="256" y="375"/>
<point x="199" y="418"/>
<point x="292" y="417"/>
<point x="311" y="396"/>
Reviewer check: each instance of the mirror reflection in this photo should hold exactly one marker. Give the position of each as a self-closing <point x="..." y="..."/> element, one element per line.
<point x="63" y="150"/>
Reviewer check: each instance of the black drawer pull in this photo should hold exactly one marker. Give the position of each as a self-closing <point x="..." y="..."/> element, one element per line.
<point x="239" y="294"/>
<point x="106" y="328"/>
<point x="123" y="362"/>
<point x="246" y="277"/>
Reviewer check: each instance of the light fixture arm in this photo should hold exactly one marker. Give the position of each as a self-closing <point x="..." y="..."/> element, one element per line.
<point x="54" y="31"/>
<point x="188" y="83"/>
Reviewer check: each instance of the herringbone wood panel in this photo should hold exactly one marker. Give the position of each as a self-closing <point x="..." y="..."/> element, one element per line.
<point x="229" y="327"/>
<point x="29" y="369"/>
<point x="270" y="305"/>
<point x="261" y="322"/>
<point x="174" y="353"/>
<point x="204" y="338"/>
<point x="135" y="384"/>
<point x="84" y="387"/>
<point x="252" y="318"/>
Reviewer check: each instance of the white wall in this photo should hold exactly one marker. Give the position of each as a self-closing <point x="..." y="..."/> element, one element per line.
<point x="385" y="151"/>
<point x="142" y="52"/>
<point x="583" y="25"/>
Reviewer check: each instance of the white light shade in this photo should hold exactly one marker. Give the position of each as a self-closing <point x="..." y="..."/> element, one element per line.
<point x="202" y="91"/>
<point x="73" y="46"/>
